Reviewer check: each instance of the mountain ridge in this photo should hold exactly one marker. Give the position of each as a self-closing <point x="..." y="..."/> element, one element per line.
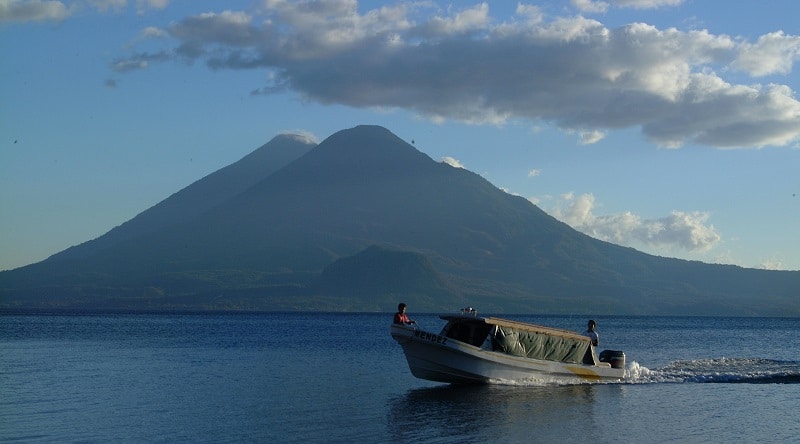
<point x="201" y="195"/>
<point x="269" y="246"/>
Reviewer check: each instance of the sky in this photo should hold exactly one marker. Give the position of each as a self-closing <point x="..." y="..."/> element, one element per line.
<point x="670" y="126"/>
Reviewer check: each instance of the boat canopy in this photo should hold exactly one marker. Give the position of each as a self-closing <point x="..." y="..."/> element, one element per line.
<point x="538" y="342"/>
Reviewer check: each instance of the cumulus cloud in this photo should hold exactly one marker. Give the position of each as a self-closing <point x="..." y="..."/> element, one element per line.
<point x="599" y="6"/>
<point x="145" y="5"/>
<point x="138" y="61"/>
<point x="590" y="137"/>
<point x="646" y="4"/>
<point x="773" y="53"/>
<point x="32" y="11"/>
<point x="591" y="6"/>
<point x="142" y="6"/>
<point x="679" y="230"/>
<point x="772" y="264"/>
<point x="108" y="5"/>
<point x="465" y="65"/>
<point x="152" y="32"/>
<point x="52" y="10"/>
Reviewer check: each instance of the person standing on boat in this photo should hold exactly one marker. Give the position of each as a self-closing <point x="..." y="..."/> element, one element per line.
<point x="401" y="317"/>
<point x="590" y="327"/>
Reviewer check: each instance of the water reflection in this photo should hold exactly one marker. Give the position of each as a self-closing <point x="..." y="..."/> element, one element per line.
<point x="480" y="413"/>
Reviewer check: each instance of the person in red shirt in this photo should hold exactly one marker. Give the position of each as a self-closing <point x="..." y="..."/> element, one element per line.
<point x="401" y="317"/>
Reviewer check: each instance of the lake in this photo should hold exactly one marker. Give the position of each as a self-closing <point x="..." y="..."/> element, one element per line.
<point x="322" y="377"/>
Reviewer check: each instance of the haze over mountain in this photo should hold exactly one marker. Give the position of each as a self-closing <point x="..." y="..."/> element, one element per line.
<point x="364" y="220"/>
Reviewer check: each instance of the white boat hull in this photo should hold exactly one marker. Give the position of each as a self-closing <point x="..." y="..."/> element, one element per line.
<point x="437" y="358"/>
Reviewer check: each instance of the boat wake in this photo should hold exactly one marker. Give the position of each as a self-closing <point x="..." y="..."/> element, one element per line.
<point x="721" y="370"/>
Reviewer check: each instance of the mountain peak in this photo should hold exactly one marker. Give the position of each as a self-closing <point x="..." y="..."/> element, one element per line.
<point x="270" y="157"/>
<point x="367" y="147"/>
<point x="364" y="138"/>
<point x="294" y="138"/>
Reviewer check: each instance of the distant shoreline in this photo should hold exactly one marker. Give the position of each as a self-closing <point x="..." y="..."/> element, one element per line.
<point x="131" y="312"/>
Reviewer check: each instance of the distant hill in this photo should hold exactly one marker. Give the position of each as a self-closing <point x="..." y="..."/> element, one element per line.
<point x="385" y="276"/>
<point x="364" y="220"/>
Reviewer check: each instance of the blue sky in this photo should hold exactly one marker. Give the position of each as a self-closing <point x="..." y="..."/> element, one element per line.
<point x="671" y="126"/>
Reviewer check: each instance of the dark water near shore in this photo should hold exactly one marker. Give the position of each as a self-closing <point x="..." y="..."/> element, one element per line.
<point x="341" y="378"/>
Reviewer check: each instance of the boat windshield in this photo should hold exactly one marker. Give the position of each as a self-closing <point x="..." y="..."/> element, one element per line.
<point x="472" y="331"/>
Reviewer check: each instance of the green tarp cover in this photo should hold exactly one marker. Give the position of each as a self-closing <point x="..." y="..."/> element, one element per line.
<point x="535" y="345"/>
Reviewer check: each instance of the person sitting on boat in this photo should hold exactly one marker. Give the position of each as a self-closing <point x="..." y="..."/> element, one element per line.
<point x="590" y="327"/>
<point x="401" y="317"/>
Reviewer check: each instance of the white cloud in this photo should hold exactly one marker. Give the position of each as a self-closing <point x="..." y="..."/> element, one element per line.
<point x="534" y="173"/>
<point x="138" y="61"/>
<point x="32" y="11"/>
<point x="590" y="137"/>
<point x="679" y="230"/>
<point x="531" y="13"/>
<point x="770" y="54"/>
<point x="142" y="6"/>
<point x="302" y="135"/>
<point x="108" y="5"/>
<point x="772" y="264"/>
<point x="472" y="19"/>
<point x="130" y="65"/>
<point x="464" y="65"/>
<point x="591" y="6"/>
<point x="44" y="10"/>
<point x="153" y="32"/>
<point x="145" y="5"/>
<point x="600" y="7"/>
<point x="453" y="162"/>
<point x="645" y="4"/>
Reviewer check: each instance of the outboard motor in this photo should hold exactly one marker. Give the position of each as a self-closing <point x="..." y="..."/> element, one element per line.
<point x="614" y="357"/>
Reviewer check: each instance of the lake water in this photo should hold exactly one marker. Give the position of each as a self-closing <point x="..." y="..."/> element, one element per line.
<point x="289" y="377"/>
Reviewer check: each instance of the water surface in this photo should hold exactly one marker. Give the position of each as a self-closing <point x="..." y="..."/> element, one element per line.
<point x="303" y="377"/>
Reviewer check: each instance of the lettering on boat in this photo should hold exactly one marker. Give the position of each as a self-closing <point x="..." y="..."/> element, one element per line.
<point x="430" y="337"/>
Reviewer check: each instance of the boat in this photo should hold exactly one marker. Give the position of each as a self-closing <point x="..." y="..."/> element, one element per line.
<point x="477" y="350"/>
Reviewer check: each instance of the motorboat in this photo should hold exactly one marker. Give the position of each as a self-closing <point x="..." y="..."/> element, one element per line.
<point x="472" y="349"/>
